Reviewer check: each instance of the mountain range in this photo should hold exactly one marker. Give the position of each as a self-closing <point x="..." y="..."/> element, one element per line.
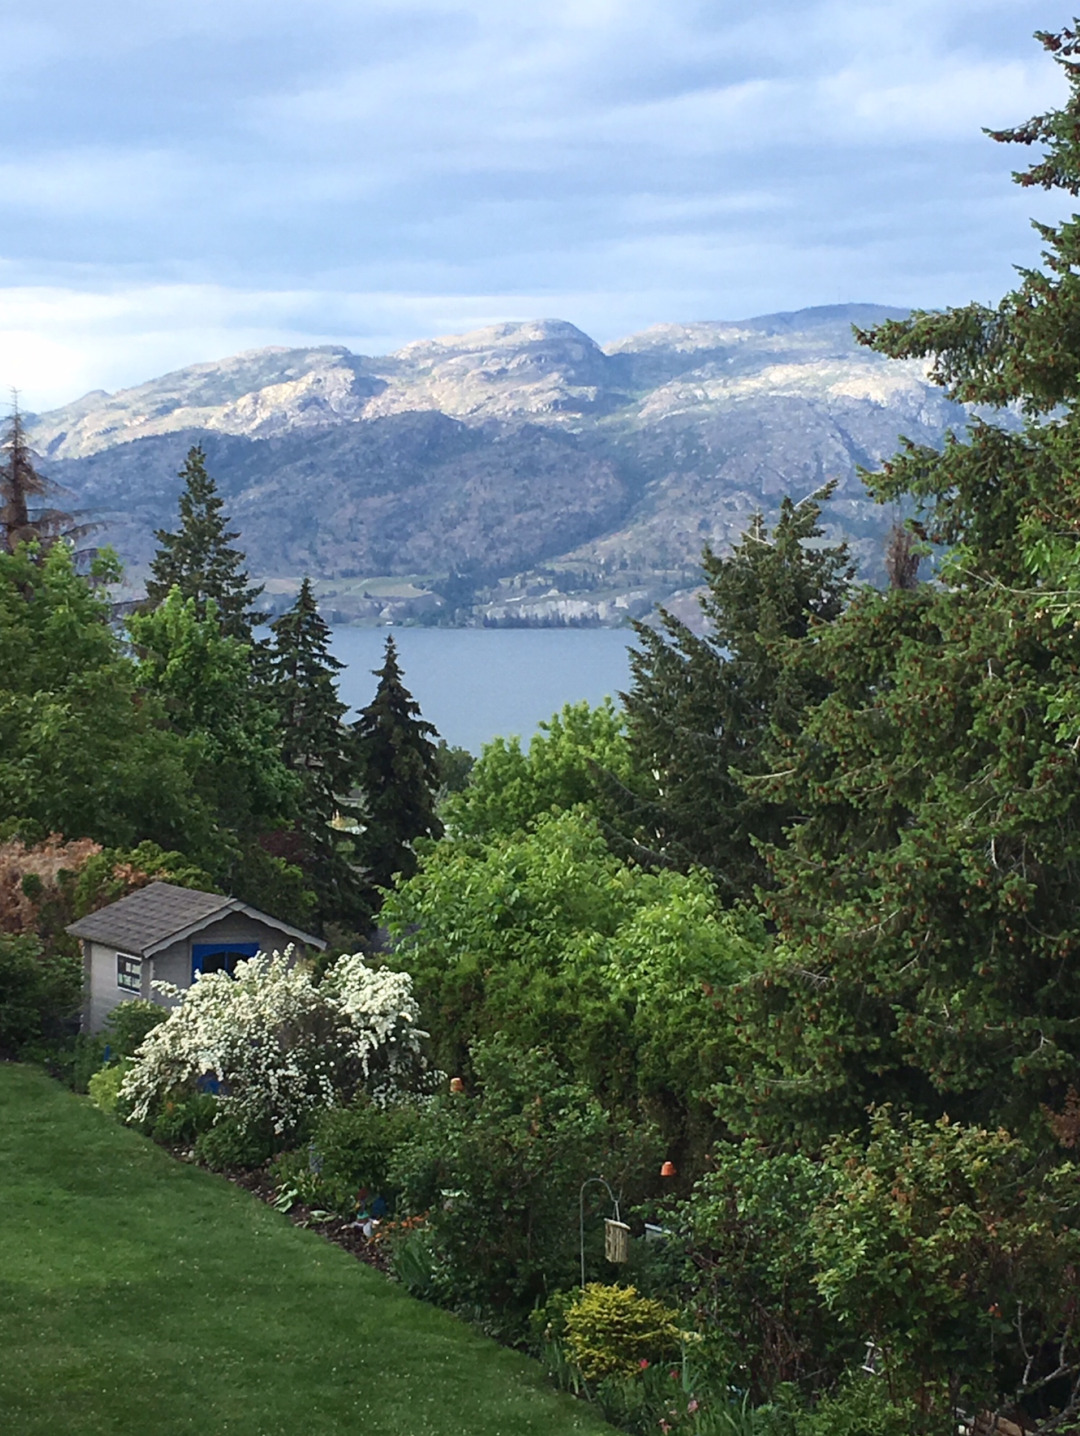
<point x="521" y="473"/>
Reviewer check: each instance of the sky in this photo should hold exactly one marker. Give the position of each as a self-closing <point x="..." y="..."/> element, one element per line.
<point x="179" y="182"/>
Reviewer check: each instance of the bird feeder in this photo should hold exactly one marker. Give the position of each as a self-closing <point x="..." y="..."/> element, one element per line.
<point x="616" y="1232"/>
<point x="616" y="1240"/>
<point x="668" y="1169"/>
<point x="456" y="1084"/>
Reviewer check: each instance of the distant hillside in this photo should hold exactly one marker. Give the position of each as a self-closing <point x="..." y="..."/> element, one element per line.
<point x="520" y="473"/>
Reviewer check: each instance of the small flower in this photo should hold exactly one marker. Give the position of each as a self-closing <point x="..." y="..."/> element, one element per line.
<point x="643" y="1363"/>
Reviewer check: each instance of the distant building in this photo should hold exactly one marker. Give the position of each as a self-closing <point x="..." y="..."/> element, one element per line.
<point x="164" y="933"/>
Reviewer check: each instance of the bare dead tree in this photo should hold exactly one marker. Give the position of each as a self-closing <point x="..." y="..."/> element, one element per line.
<point x="25" y="513"/>
<point x="902" y="558"/>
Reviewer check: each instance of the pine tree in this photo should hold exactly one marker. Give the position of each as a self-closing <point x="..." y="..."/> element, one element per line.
<point x="703" y="710"/>
<point x="316" y="745"/>
<point x="198" y="558"/>
<point x="399" y="776"/>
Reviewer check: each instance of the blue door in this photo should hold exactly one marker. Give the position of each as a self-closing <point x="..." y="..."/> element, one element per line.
<point x="219" y="956"/>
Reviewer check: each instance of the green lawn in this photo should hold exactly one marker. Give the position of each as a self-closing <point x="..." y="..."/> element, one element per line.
<point x="139" y="1295"/>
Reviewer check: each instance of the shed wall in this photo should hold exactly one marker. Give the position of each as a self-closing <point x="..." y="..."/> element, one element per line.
<point x="103" y="992"/>
<point x="171" y="964"/>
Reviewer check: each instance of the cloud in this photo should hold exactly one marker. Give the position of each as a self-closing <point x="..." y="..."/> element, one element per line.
<point x="230" y="172"/>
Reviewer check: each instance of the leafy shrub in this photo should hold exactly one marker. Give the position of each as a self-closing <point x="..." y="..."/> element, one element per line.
<point x="567" y="762"/>
<point x="234" y="1145"/>
<point x="955" y="1251"/>
<point x="863" y="1406"/>
<point x="611" y="1330"/>
<point x="104" y="1086"/>
<point x="130" y="1023"/>
<point x="499" y="1174"/>
<point x="39" y="993"/>
<point x="125" y="1028"/>
<point x="280" y="1047"/>
<point x="415" y="1261"/>
<point x="350" y="1151"/>
<point x="182" y="1120"/>
<point x="746" y="1227"/>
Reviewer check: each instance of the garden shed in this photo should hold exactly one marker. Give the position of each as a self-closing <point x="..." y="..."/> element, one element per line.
<point x="165" y="933"/>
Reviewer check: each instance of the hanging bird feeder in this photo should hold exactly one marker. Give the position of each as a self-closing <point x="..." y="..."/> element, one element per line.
<point x="616" y="1232"/>
<point x="668" y="1170"/>
<point x="616" y="1240"/>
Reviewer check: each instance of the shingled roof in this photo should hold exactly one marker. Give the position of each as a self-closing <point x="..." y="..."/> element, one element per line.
<point x="152" y="917"/>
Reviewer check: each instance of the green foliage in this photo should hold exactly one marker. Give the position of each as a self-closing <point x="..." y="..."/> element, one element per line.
<point x="613" y="1330"/>
<point x="104" y="1086"/>
<point x="704" y="712"/>
<point x="207" y="686"/>
<point x="39" y="993"/>
<point x="318" y="750"/>
<point x="926" y="896"/>
<point x="548" y="937"/>
<point x="954" y="1251"/>
<point x="398" y="775"/>
<point x="182" y="1119"/>
<point x="198" y="559"/>
<point x="125" y="1027"/>
<point x="754" y="1286"/>
<point x="351" y="1151"/>
<point x="112" y="873"/>
<point x="231" y="1145"/>
<point x="455" y="765"/>
<point x="570" y="762"/>
<point x="499" y="1174"/>
<point x="83" y="751"/>
<point x="863" y="1405"/>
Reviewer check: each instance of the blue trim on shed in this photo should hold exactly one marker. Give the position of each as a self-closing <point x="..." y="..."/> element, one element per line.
<point x="200" y="951"/>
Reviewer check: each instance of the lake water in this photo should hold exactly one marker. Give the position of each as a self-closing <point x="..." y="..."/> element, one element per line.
<point x="476" y="683"/>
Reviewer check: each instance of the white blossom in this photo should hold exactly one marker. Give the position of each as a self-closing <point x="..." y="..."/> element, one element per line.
<point x="279" y="1045"/>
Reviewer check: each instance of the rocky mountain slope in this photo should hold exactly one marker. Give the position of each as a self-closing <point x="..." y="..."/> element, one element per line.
<point x="520" y="473"/>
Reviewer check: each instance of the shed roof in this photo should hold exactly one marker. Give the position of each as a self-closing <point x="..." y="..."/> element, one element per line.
<point x="160" y="913"/>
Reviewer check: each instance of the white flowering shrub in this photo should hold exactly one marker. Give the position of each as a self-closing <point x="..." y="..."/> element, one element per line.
<point x="278" y="1045"/>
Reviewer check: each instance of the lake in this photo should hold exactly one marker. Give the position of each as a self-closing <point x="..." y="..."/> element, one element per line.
<point x="476" y="683"/>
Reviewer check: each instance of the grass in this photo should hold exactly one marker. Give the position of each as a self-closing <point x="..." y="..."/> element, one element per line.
<point x="143" y="1297"/>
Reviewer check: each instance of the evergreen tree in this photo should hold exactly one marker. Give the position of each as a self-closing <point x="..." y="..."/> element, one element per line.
<point x="399" y="776"/>
<point x="926" y="898"/>
<point x="702" y="710"/>
<point x="198" y="559"/>
<point x="317" y="746"/>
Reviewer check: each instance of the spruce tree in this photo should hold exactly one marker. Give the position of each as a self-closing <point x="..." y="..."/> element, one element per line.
<point x="317" y="746"/>
<point x="703" y="710"/>
<point x="198" y="558"/>
<point x="399" y="776"/>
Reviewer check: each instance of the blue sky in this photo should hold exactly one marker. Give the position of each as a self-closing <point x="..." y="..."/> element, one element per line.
<point x="182" y="181"/>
